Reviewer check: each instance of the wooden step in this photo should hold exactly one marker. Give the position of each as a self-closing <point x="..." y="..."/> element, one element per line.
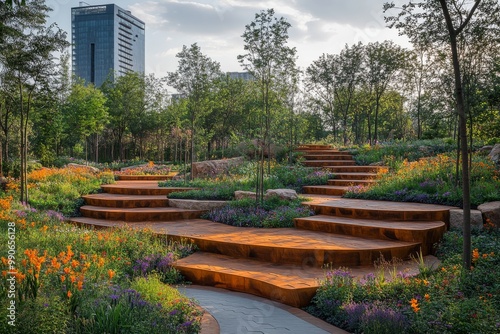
<point x="330" y="157"/>
<point x="355" y="176"/>
<point x="138" y="214"/>
<point x="145" y="177"/>
<point x="349" y="183"/>
<point x="126" y="201"/>
<point x="140" y="188"/>
<point x="383" y="210"/>
<point x="325" y="152"/>
<point x="356" y="169"/>
<point x="426" y="232"/>
<point x="294" y="285"/>
<point x="327" y="163"/>
<point x="325" y="190"/>
<point x="314" y="147"/>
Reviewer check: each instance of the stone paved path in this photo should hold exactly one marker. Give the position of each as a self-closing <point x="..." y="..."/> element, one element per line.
<point x="239" y="313"/>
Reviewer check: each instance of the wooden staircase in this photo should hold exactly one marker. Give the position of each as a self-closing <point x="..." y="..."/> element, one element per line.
<point x="342" y="165"/>
<point x="282" y="264"/>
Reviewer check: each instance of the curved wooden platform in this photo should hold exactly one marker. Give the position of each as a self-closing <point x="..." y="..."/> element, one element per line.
<point x="140" y="188"/>
<point x="146" y="177"/>
<point x="126" y="201"/>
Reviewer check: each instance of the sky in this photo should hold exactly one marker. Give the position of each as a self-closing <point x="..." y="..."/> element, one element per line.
<point x="317" y="27"/>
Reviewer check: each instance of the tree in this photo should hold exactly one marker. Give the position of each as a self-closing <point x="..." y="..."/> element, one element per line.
<point x="349" y="75"/>
<point x="267" y="56"/>
<point x="445" y="23"/>
<point x="383" y="60"/>
<point x="26" y="54"/>
<point x="320" y="82"/>
<point x="194" y="79"/>
<point x="124" y="99"/>
<point x="85" y="112"/>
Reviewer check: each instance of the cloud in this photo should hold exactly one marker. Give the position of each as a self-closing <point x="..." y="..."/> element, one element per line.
<point x="193" y="17"/>
<point x="357" y="13"/>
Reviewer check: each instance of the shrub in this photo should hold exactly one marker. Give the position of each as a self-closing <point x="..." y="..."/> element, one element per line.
<point x="273" y="213"/>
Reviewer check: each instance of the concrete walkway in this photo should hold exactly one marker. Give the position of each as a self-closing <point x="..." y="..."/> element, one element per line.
<point x="239" y="313"/>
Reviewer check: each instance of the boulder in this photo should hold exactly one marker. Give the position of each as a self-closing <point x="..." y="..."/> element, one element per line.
<point x="457" y="219"/>
<point x="491" y="211"/>
<point x="214" y="168"/>
<point x="485" y="149"/>
<point x="90" y="168"/>
<point x="495" y="153"/>
<point x="288" y="194"/>
<point x="240" y="194"/>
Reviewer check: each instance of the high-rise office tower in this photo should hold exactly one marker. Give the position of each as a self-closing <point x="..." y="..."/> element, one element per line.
<point x="107" y="40"/>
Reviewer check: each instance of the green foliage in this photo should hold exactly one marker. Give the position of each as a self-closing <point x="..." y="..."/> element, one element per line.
<point x="61" y="189"/>
<point x="432" y="180"/>
<point x="274" y="212"/>
<point x="393" y="153"/>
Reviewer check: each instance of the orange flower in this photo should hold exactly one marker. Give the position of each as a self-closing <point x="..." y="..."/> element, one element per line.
<point x="69" y="294"/>
<point x="427" y="297"/>
<point x="475" y="255"/>
<point x="67" y="270"/>
<point x="55" y="264"/>
<point x="75" y="263"/>
<point x="63" y="278"/>
<point x="414" y="305"/>
<point x="79" y="285"/>
<point x="72" y="278"/>
<point x="111" y="274"/>
<point x="70" y="252"/>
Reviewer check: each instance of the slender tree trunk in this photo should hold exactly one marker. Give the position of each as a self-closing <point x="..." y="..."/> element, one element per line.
<point x="375" y="132"/>
<point x="467" y="251"/>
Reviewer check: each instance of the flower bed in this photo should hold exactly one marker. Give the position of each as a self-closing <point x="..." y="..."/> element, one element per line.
<point x="74" y="280"/>
<point x="447" y="299"/>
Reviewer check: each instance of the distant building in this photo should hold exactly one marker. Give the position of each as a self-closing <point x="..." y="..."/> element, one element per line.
<point x="241" y="75"/>
<point x="106" y="40"/>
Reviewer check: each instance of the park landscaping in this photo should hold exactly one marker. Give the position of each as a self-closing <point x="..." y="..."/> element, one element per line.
<point x="75" y="279"/>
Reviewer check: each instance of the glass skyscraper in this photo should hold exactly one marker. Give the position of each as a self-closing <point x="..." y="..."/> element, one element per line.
<point x="106" y="40"/>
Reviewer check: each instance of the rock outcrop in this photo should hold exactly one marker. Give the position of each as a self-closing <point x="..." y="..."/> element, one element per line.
<point x="491" y="212"/>
<point x="214" y="168"/>
<point x="495" y="153"/>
